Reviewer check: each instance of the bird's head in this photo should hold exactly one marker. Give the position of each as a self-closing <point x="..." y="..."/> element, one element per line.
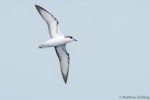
<point x="70" y="38"/>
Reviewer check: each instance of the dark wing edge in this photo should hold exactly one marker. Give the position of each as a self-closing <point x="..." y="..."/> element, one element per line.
<point x="39" y="8"/>
<point x="59" y="51"/>
<point x="49" y="19"/>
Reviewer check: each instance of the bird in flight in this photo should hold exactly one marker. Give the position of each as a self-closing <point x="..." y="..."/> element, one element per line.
<point x="58" y="41"/>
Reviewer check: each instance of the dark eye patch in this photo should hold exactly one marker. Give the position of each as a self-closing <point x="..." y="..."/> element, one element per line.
<point x="71" y="37"/>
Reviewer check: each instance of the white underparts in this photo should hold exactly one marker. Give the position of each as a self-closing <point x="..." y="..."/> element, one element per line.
<point x="54" y="42"/>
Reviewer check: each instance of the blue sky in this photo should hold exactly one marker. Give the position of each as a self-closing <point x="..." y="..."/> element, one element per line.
<point x="110" y="59"/>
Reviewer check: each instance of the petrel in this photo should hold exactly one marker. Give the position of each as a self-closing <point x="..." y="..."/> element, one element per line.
<point x="58" y="41"/>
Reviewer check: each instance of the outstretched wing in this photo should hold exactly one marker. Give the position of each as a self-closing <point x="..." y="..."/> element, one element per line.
<point x="64" y="59"/>
<point x="51" y="21"/>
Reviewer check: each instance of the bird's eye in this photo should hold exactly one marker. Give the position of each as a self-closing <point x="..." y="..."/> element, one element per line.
<point x="71" y="37"/>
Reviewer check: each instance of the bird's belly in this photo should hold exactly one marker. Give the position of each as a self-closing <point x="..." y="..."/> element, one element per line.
<point x="55" y="42"/>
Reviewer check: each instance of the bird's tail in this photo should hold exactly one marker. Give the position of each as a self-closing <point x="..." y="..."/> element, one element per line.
<point x="42" y="46"/>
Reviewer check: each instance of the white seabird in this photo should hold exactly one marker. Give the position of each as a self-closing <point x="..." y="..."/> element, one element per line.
<point x="58" y="40"/>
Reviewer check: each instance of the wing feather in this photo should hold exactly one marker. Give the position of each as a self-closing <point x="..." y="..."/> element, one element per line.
<point x="64" y="59"/>
<point x="51" y="21"/>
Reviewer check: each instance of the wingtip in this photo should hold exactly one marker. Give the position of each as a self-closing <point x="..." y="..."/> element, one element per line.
<point x="38" y="7"/>
<point x="40" y="47"/>
<point x="65" y="80"/>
